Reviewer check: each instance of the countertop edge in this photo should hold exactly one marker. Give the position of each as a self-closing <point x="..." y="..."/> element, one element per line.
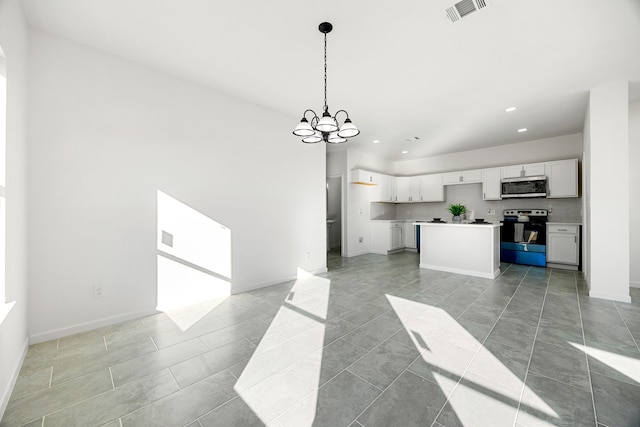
<point x="466" y="225"/>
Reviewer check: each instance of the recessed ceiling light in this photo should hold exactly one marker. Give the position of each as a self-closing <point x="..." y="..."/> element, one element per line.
<point x="522" y="130"/>
<point x="510" y="109"/>
<point x="405" y="152"/>
<point x="375" y="141"/>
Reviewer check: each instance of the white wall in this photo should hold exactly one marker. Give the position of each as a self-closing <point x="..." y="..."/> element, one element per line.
<point x="634" y="194"/>
<point x="13" y="318"/>
<point x="106" y="135"/>
<point x="586" y="198"/>
<point x="608" y="170"/>
<point x="560" y="147"/>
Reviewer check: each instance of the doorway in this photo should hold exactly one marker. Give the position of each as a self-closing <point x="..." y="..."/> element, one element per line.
<point x="335" y="223"/>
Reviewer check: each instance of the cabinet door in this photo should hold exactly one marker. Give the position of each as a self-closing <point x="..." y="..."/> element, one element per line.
<point x="471" y="176"/>
<point x="359" y="176"/>
<point x="562" y="248"/>
<point x="533" y="169"/>
<point x="562" y="178"/>
<point x="512" y="171"/>
<point x="409" y="235"/>
<point x="403" y="188"/>
<point x="396" y="238"/>
<point x="451" y="178"/>
<point x="383" y="190"/>
<point x="414" y="189"/>
<point x="431" y="188"/>
<point x="491" y="187"/>
<point x="379" y="237"/>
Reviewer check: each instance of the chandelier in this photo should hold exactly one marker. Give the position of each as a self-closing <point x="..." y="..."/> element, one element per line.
<point x="326" y="128"/>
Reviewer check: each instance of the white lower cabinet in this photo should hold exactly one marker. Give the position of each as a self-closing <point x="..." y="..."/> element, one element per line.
<point x="386" y="236"/>
<point x="396" y="238"/>
<point x="409" y="235"/>
<point x="563" y="245"/>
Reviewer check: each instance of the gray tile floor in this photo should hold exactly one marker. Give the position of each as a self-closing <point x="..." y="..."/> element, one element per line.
<point x="374" y="342"/>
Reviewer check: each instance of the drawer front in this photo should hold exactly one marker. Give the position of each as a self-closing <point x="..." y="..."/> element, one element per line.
<point x="554" y="228"/>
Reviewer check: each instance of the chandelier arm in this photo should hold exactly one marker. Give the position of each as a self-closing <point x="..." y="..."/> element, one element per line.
<point x="340" y="111"/>
<point x="306" y="111"/>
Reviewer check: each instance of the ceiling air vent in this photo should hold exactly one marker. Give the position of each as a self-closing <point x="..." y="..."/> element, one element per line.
<point x="464" y="8"/>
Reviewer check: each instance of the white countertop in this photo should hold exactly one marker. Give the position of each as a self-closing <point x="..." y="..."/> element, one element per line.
<point x="563" y="223"/>
<point x="464" y="224"/>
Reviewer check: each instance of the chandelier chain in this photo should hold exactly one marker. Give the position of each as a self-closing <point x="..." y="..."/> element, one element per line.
<point x="325" y="72"/>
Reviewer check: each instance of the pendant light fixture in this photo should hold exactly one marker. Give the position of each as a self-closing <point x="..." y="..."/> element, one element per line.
<point x="326" y="128"/>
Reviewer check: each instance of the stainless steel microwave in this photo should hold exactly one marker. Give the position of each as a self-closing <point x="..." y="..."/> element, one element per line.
<point x="528" y="186"/>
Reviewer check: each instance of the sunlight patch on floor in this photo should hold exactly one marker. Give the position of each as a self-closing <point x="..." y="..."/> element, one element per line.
<point x="476" y="400"/>
<point x="627" y="366"/>
<point x="296" y="331"/>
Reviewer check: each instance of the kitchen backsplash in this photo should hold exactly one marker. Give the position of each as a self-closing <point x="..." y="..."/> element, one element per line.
<point x="470" y="195"/>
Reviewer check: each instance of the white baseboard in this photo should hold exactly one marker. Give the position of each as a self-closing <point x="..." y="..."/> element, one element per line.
<point x="254" y="286"/>
<point x="483" y="274"/>
<point x="611" y="297"/>
<point x="6" y="394"/>
<point x="87" y="326"/>
<point x="352" y="254"/>
<point x="634" y="284"/>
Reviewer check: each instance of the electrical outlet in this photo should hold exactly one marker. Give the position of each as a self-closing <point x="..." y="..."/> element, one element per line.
<point x="491" y="211"/>
<point x="360" y="239"/>
<point x="307" y="256"/>
<point x="98" y="292"/>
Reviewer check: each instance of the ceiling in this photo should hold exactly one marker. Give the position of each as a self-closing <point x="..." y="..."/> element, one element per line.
<point x="401" y="69"/>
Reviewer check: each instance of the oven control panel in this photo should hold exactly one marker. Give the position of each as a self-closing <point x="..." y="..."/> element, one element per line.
<point x="525" y="212"/>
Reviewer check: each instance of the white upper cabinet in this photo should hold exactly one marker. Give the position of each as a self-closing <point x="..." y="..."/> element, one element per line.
<point x="414" y="189"/>
<point x="359" y="176"/>
<point x="562" y="178"/>
<point x="403" y="189"/>
<point x="462" y="177"/>
<point x="517" y="171"/>
<point x="431" y="188"/>
<point x="407" y="189"/>
<point x="386" y="190"/>
<point x="491" y="186"/>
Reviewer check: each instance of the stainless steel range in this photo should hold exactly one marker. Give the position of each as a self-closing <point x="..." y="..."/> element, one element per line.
<point x="523" y="237"/>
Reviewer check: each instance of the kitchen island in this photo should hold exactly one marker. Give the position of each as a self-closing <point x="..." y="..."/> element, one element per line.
<point x="471" y="249"/>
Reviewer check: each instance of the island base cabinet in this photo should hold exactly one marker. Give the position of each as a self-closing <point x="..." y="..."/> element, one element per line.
<point x="467" y="249"/>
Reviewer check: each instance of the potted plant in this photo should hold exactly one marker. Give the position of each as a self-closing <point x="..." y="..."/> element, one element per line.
<point x="457" y="210"/>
